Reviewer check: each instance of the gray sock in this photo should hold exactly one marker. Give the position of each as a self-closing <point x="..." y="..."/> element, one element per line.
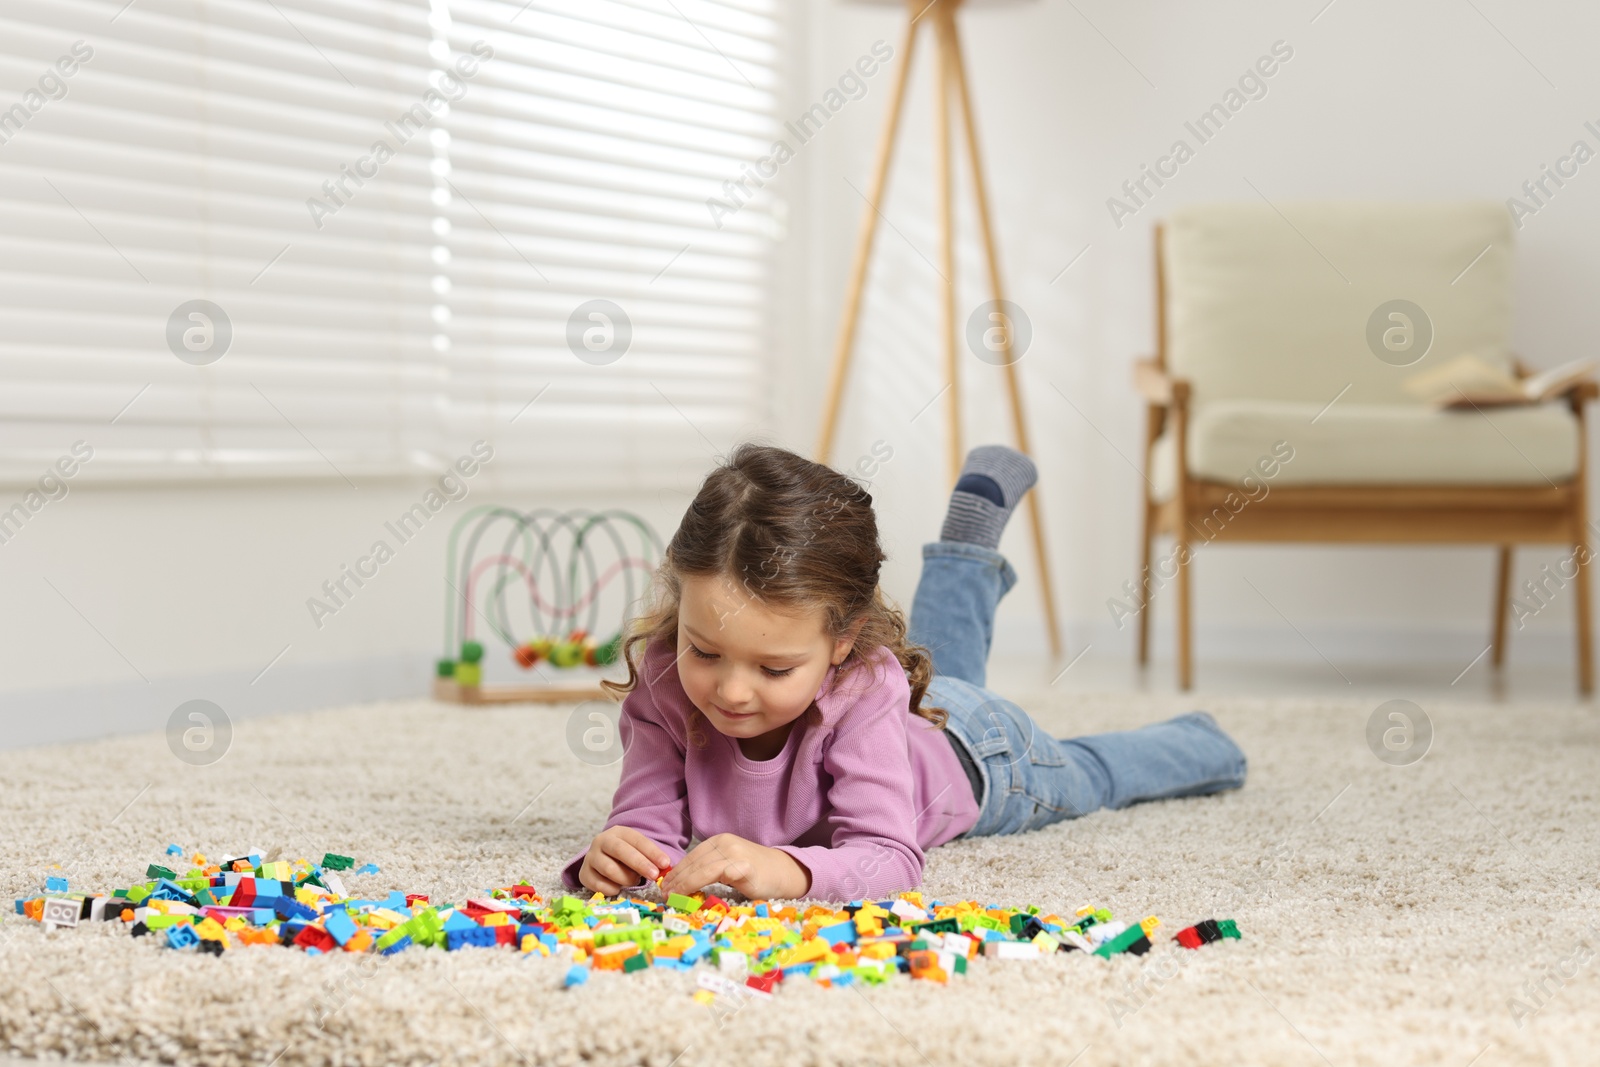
<point x="992" y="481"/>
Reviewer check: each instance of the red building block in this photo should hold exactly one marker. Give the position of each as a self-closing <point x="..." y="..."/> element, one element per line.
<point x="316" y="937"/>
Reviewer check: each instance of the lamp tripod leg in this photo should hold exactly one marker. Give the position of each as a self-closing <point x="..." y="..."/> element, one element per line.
<point x="951" y="47"/>
<point x="863" y="253"/>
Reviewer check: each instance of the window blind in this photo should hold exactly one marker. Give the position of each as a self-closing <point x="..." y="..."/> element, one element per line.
<point x="602" y="325"/>
<point x="176" y="164"/>
<point x="338" y="238"/>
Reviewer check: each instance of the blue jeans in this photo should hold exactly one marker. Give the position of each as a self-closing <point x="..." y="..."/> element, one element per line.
<point x="1029" y="778"/>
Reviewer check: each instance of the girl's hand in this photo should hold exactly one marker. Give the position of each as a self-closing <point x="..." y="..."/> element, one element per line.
<point x="618" y="857"/>
<point x="755" y="870"/>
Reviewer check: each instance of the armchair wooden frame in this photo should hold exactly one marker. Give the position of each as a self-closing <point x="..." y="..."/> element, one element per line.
<point x="1502" y="515"/>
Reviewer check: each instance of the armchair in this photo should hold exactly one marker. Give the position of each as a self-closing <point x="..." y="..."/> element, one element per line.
<point x="1263" y="323"/>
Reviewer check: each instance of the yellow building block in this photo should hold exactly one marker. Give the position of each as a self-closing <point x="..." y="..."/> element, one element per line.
<point x="808" y="951"/>
<point x="879" y="950"/>
<point x="498" y="918"/>
<point x="209" y="929"/>
<point x="674" y="947"/>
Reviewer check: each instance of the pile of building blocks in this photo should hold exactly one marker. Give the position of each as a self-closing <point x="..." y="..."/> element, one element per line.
<point x="744" y="949"/>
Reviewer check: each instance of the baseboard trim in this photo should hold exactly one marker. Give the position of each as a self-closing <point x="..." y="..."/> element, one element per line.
<point x="78" y="713"/>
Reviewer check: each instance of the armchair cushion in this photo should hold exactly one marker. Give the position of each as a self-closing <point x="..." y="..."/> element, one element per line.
<point x="1373" y="444"/>
<point x="1269" y="306"/>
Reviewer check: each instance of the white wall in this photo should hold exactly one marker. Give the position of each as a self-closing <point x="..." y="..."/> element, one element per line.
<point x="197" y="590"/>
<point x="1414" y="101"/>
<point x="124" y="603"/>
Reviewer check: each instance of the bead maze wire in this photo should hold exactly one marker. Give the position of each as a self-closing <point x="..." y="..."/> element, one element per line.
<point x="546" y="574"/>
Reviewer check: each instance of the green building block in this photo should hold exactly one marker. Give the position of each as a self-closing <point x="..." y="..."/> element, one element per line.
<point x="938" y="926"/>
<point x="1120" y="943"/>
<point x="425" y="928"/>
<point x="1229" y="929"/>
<point x="390" y="936"/>
<point x="335" y="862"/>
<point x="570" y="911"/>
<point x="636" y="962"/>
<point x="869" y="975"/>
<point x="155" y="870"/>
<point x="679" y="902"/>
<point x="641" y="935"/>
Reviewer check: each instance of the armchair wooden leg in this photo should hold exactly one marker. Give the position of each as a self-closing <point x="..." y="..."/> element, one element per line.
<point x="1143" y="585"/>
<point x="1185" y="663"/>
<point x="1585" y="620"/>
<point x="1502" y="605"/>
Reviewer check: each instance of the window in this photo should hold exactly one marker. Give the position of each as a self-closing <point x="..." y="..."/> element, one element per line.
<point x="344" y="238"/>
<point x="586" y="268"/>
<point x="175" y="162"/>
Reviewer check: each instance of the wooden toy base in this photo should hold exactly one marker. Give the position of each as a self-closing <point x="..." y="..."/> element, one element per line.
<point x="450" y="692"/>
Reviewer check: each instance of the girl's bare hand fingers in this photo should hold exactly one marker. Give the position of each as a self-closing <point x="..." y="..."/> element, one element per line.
<point x="609" y="868"/>
<point x="630" y="856"/>
<point x="589" y="879"/>
<point x="648" y="849"/>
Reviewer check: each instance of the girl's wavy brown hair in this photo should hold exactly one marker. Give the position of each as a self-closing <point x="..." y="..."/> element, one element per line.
<point x="797" y="536"/>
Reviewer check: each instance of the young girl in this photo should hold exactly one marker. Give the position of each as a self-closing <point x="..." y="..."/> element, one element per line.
<point x="777" y="713"/>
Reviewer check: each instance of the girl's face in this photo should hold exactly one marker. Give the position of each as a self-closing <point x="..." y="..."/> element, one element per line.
<point x="749" y="670"/>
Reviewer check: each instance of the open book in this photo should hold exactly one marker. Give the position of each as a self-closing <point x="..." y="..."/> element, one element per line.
<point x="1469" y="380"/>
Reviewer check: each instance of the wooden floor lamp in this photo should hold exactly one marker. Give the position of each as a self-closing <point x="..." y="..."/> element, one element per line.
<point x="950" y="80"/>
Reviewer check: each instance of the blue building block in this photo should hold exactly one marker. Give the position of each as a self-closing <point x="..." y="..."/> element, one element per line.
<point x="576" y="975"/>
<point x="695" y="953"/>
<point x="460" y="921"/>
<point x="845" y="931"/>
<point x="55" y="885"/>
<point x="339" y="926"/>
<point x="399" y="946"/>
<point x="479" y="936"/>
<point x="289" y="908"/>
<point x="182" y="936"/>
<point x="168" y="890"/>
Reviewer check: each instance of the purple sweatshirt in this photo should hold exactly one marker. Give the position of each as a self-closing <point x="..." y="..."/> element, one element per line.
<point x="855" y="800"/>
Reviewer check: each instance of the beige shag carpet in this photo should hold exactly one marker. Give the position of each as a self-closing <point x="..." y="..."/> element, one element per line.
<point x="1391" y="914"/>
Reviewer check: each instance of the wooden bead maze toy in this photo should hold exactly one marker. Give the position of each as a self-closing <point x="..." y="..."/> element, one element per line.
<point x="542" y="584"/>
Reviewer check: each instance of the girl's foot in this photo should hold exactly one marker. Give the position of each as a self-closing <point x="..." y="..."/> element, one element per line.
<point x="992" y="481"/>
